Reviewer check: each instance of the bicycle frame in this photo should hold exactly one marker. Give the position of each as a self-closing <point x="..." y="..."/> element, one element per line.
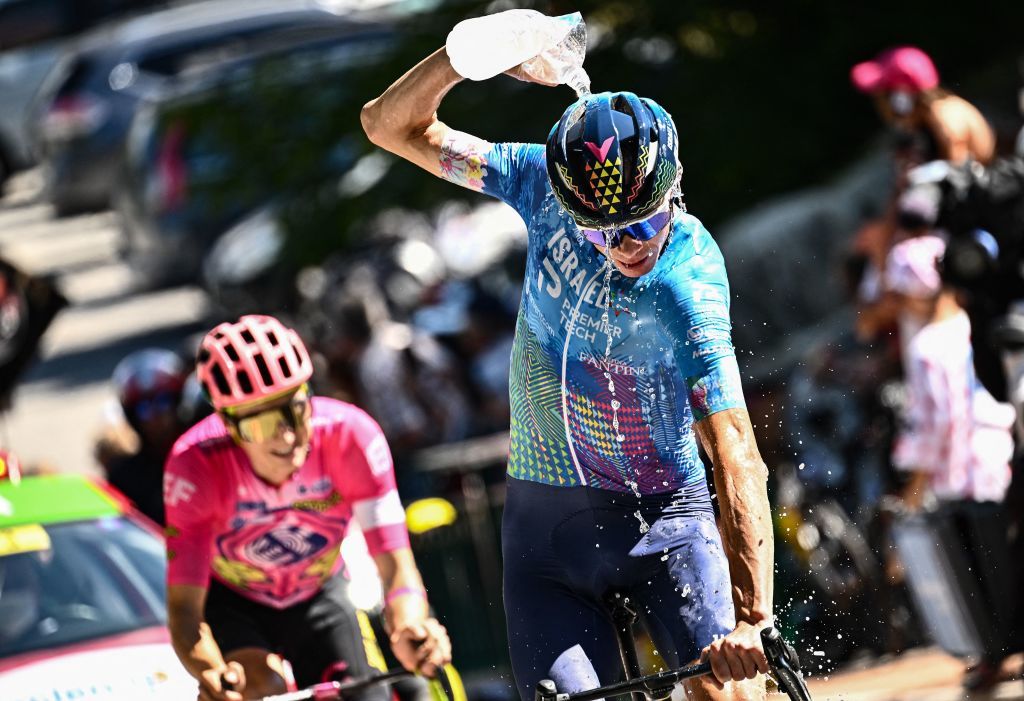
<point x="330" y="691"/>
<point x="782" y="659"/>
<point x="446" y="686"/>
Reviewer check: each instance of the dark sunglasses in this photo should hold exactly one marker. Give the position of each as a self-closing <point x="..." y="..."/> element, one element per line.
<point x="263" y="426"/>
<point x="643" y="230"/>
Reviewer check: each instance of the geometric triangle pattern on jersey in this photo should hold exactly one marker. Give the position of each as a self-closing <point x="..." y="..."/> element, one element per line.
<point x="537" y="450"/>
<point x="614" y="464"/>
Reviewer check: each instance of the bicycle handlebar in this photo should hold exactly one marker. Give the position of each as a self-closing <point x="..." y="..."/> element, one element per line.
<point x="782" y="659"/>
<point x="330" y="691"/>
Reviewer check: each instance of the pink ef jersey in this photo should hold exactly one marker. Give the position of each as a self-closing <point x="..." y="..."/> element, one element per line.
<point x="277" y="545"/>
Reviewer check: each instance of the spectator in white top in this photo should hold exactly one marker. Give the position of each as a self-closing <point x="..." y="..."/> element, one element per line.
<point x="958" y="443"/>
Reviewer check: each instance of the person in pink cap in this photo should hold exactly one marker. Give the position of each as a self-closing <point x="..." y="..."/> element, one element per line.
<point x="935" y="123"/>
<point x="930" y="123"/>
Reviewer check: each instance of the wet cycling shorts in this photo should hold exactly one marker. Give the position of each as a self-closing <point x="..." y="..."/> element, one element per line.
<point x="565" y="548"/>
<point x="320" y="637"/>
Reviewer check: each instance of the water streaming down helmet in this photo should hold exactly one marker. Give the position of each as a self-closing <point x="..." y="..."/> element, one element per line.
<point x="612" y="159"/>
<point x="251" y="359"/>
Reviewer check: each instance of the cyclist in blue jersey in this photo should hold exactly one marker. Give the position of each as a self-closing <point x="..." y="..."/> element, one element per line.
<point x="622" y="354"/>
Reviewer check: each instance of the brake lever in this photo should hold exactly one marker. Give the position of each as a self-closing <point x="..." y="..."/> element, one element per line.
<point x="785" y="665"/>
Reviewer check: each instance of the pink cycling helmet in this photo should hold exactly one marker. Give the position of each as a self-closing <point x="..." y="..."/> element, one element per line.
<point x="251" y="359"/>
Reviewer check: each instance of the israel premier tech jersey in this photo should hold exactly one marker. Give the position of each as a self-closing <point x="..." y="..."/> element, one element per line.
<point x="670" y="361"/>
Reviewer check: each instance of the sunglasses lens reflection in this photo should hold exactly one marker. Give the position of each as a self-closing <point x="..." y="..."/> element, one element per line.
<point x="263" y="426"/>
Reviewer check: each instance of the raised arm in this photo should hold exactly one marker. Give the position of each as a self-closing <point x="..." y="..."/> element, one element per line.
<point x="403" y="120"/>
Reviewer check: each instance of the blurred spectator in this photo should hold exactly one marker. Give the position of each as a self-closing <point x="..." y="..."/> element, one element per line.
<point x="487" y="341"/>
<point x="149" y="385"/>
<point x="407" y="381"/>
<point x="28" y="305"/>
<point x="878" y="312"/>
<point x="958" y="444"/>
<point x="931" y="123"/>
<point x="480" y="330"/>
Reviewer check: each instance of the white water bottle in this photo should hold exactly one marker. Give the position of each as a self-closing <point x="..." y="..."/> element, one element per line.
<point x="550" y="49"/>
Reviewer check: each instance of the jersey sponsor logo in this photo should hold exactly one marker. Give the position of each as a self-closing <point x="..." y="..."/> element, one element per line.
<point x="562" y="269"/>
<point x="285" y="545"/>
<point x="283" y="557"/>
<point x="378" y="456"/>
<point x="320" y="505"/>
<point x="616" y="367"/>
<point x="587" y="326"/>
<point x="700" y="333"/>
<point x="323" y="566"/>
<point x="238" y="573"/>
<point x="177" y="489"/>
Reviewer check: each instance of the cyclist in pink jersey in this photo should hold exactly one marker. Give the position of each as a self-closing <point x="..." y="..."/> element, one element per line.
<point x="258" y="498"/>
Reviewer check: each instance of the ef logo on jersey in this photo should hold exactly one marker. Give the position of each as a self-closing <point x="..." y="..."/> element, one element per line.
<point x="285" y="545"/>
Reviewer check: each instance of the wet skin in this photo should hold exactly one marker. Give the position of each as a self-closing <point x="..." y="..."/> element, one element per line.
<point x="635" y="258"/>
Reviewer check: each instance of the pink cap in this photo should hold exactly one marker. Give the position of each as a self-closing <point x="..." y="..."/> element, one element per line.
<point x="902" y="67"/>
<point x="911" y="268"/>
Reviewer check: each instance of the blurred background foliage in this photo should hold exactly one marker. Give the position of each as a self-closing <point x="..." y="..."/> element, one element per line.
<point x="760" y="94"/>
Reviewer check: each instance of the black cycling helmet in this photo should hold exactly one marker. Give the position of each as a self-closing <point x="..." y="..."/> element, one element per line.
<point x="612" y="158"/>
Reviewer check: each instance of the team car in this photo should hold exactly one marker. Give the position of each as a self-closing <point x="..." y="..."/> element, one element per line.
<point x="82" y="591"/>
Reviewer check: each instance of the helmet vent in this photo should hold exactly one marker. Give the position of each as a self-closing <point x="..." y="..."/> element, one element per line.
<point x="285" y="370"/>
<point x="261" y="365"/>
<point x="220" y="379"/>
<point x="244" y="382"/>
<point x="247" y="336"/>
<point x="203" y="355"/>
<point x="272" y="337"/>
<point x="232" y="352"/>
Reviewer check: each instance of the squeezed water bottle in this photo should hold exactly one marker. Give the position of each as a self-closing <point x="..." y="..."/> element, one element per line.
<point x="549" y="49"/>
<point x="562" y="63"/>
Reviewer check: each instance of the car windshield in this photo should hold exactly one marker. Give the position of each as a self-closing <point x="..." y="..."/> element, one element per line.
<point x="78" y="582"/>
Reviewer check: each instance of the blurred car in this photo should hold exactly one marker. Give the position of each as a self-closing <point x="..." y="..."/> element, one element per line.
<point x="272" y="125"/>
<point x="28" y="22"/>
<point x="87" y="102"/>
<point x="82" y="592"/>
<point x="21" y="74"/>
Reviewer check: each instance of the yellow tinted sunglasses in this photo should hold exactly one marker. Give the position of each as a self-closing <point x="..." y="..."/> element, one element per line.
<point x="264" y="425"/>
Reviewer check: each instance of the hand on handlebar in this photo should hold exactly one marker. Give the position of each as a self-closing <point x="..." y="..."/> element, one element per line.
<point x="422" y="647"/>
<point x="737" y="656"/>
<point x="223" y="684"/>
